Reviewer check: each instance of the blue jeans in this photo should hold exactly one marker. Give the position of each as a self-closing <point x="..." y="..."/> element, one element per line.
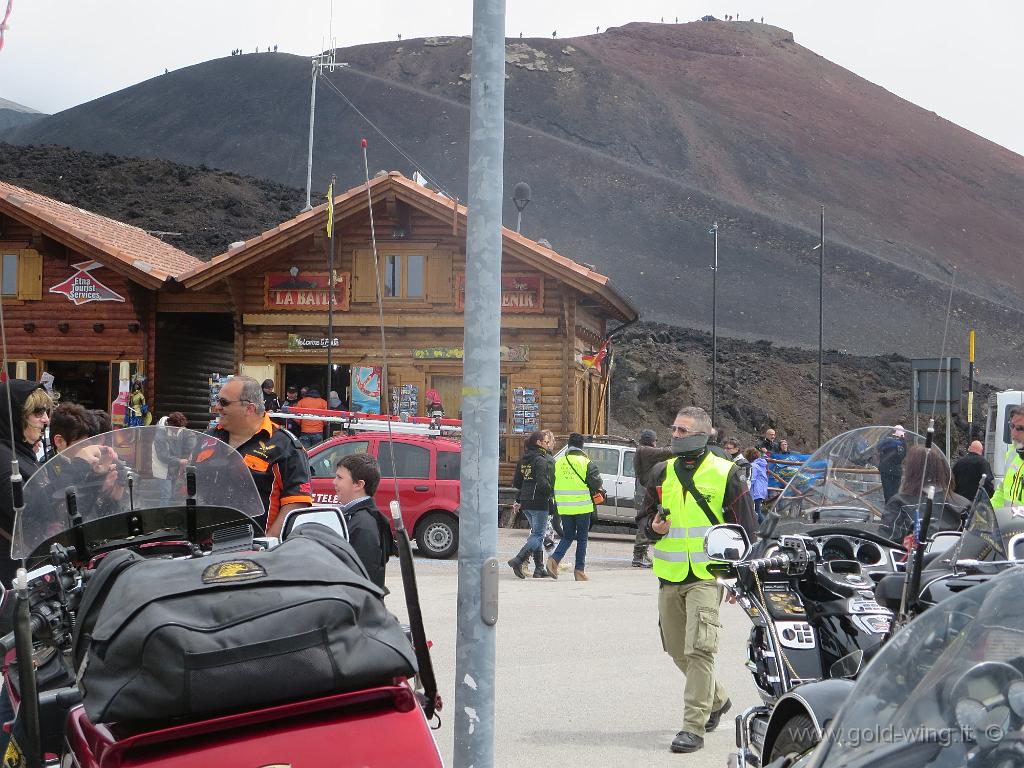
<point x="538" y="524"/>
<point x="311" y="439"/>
<point x="574" y="528"/>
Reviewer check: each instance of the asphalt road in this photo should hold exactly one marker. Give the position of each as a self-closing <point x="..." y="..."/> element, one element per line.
<point x="581" y="676"/>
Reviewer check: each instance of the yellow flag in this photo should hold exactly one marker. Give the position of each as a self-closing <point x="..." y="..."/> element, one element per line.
<point x="330" y="209"/>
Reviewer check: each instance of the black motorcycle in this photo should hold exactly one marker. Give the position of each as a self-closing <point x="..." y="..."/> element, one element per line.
<point x="808" y="583"/>
<point x="947" y="691"/>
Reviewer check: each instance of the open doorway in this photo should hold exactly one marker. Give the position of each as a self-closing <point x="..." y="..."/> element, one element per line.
<point x="315" y="377"/>
<point x="86" y="382"/>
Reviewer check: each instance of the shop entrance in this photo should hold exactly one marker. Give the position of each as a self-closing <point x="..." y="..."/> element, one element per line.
<point x="450" y="390"/>
<point x="86" y="382"/>
<point x="315" y="377"/>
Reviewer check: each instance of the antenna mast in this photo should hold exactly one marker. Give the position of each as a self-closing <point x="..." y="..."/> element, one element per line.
<point x="325" y="60"/>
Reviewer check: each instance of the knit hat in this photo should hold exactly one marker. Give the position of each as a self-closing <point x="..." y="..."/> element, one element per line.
<point x="575" y="440"/>
<point x="647" y="437"/>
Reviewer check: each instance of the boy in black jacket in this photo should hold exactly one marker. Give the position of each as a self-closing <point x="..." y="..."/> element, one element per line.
<point x="369" y="532"/>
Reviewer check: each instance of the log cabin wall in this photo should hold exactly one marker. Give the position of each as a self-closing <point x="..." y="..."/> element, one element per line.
<point x="422" y="334"/>
<point x="46" y="328"/>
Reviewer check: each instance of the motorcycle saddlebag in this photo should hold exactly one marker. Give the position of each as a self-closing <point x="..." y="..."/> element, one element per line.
<point x="164" y="639"/>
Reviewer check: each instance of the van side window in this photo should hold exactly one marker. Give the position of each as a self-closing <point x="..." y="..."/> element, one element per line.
<point x="410" y="460"/>
<point x="448" y="465"/>
<point x="607" y="459"/>
<point x="627" y="463"/>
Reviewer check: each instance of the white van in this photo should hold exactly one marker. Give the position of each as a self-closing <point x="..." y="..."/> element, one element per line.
<point x="997" y="429"/>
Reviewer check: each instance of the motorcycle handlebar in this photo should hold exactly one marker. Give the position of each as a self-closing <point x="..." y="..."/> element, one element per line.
<point x="764" y="563"/>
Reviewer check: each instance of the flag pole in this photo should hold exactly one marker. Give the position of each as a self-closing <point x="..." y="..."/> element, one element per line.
<point x="330" y="290"/>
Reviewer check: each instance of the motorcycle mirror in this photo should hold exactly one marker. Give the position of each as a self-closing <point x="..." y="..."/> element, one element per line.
<point x="943" y="541"/>
<point x="727" y="543"/>
<point x="326" y="514"/>
<point x="848" y="666"/>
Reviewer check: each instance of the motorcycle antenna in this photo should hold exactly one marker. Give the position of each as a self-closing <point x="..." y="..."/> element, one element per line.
<point x="405" y="559"/>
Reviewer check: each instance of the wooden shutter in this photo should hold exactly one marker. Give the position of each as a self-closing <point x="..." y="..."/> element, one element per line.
<point x="364" y="280"/>
<point x="30" y="275"/>
<point x="439" y="277"/>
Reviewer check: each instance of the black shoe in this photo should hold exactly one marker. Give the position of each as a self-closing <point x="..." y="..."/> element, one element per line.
<point x="540" y="573"/>
<point x="517" y="566"/>
<point x="686" y="742"/>
<point x="716" y="715"/>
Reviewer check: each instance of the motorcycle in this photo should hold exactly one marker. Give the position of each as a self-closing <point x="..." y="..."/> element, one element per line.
<point x="947" y="691"/>
<point x="98" y="507"/>
<point x="808" y="585"/>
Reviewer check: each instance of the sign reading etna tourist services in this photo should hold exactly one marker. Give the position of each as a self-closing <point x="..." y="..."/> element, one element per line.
<point x="82" y="287"/>
<point x="519" y="293"/>
<point x="305" y="292"/>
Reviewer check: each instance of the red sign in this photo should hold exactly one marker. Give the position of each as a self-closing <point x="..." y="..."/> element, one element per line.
<point x="519" y="293"/>
<point x="82" y="287"/>
<point x="305" y="292"/>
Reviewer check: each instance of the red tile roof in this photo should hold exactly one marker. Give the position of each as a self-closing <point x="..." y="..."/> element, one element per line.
<point x="149" y="260"/>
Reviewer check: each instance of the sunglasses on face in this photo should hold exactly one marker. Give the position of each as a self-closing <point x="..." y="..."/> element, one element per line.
<point x="1017" y="427"/>
<point x="677" y="430"/>
<point x="225" y="403"/>
<point x="41" y="412"/>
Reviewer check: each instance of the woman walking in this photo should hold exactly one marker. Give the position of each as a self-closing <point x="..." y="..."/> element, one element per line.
<point x="577" y="488"/>
<point x="535" y="480"/>
<point x="758" y="479"/>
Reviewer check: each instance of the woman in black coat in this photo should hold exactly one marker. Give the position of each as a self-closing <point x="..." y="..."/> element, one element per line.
<point x="535" y="480"/>
<point x="923" y="468"/>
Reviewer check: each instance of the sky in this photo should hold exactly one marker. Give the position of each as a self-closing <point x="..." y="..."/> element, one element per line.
<point x="962" y="60"/>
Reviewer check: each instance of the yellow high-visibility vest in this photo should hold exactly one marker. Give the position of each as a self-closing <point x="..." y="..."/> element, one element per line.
<point x="572" y="497"/>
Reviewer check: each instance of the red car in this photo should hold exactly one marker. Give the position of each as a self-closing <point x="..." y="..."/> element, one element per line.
<point x="427" y="477"/>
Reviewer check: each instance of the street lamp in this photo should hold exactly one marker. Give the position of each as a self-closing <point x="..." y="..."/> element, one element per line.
<point x="521" y="199"/>
<point x="714" y="326"/>
<point x="820" y="248"/>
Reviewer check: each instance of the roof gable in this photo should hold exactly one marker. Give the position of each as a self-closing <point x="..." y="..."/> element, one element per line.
<point x="433" y="203"/>
<point x="143" y="258"/>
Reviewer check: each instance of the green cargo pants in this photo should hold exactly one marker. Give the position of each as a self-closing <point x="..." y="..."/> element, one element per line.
<point x="688" y="617"/>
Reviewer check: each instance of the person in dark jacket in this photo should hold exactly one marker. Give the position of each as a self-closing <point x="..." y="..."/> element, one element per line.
<point x="892" y="450"/>
<point x="968" y="470"/>
<point x="647" y="455"/>
<point x="922" y="468"/>
<point x="369" y="532"/>
<point x="30" y="407"/>
<point x="535" y="481"/>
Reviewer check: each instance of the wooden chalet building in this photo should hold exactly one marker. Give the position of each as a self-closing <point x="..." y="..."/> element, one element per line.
<point x="275" y="287"/>
<point x="79" y="295"/>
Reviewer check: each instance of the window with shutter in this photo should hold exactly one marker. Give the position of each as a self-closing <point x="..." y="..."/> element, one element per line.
<point x="439" y="278"/>
<point x="364" y="282"/>
<point x="30" y="275"/>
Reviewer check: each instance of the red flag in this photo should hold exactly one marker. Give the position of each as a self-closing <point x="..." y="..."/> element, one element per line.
<point x="595" y="359"/>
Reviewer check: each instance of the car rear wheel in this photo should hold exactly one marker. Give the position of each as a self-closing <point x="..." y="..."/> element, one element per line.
<point x="437" y="535"/>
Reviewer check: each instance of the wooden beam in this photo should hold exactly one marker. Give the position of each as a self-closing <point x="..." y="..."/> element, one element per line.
<point x="419" y="320"/>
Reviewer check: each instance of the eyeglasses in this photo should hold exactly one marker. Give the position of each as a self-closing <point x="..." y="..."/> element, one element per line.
<point x="41" y="411"/>
<point x="677" y="430"/>
<point x="1017" y="427"/>
<point x="225" y="403"/>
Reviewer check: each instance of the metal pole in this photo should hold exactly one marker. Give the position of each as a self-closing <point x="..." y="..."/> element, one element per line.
<point x="330" y="306"/>
<point x="519" y="221"/>
<point x="970" y="389"/>
<point x="714" y="331"/>
<point x="478" y="524"/>
<point x="821" y="315"/>
<point x="947" y="374"/>
<point x="309" y="156"/>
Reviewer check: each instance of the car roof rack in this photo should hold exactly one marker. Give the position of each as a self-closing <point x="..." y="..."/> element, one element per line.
<point x="353" y="421"/>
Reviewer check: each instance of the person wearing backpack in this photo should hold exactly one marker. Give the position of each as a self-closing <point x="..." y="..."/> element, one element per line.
<point x="355" y="481"/>
<point x="534" y="479"/>
<point x="577" y="488"/>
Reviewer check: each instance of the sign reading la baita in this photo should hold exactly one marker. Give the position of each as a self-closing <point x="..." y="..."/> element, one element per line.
<point x="82" y="287"/>
<point x="305" y="292"/>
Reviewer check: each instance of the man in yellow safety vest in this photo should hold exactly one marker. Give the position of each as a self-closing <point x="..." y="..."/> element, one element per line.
<point x="1011" y="491"/>
<point x="686" y="495"/>
<point x="577" y="487"/>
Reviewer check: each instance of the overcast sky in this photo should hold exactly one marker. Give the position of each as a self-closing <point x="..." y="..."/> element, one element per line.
<point x="962" y="60"/>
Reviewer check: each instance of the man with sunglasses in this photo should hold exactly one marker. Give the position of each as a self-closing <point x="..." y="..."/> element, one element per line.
<point x="686" y="495"/>
<point x="278" y="463"/>
<point x="1011" y="491"/>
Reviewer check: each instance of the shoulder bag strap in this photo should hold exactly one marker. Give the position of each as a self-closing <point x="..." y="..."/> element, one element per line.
<point x="686" y="480"/>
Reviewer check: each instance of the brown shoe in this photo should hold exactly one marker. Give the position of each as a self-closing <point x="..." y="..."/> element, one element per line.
<point x="552" y="566"/>
<point x="580" y="576"/>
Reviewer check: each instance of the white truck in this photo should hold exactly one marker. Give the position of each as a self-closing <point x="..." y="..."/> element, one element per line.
<point x="997" y="429"/>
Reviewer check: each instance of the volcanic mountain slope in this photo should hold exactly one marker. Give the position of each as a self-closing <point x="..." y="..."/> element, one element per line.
<point x="635" y="141"/>
<point x="13" y="114"/>
<point x="199" y="210"/>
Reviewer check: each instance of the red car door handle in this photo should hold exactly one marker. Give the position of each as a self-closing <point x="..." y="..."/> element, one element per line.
<point x="421" y="487"/>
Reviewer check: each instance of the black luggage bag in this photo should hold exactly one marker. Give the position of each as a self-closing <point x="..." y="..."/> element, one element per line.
<point x="165" y="639"/>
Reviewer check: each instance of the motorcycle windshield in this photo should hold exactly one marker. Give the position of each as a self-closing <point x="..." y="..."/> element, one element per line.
<point x="138" y="474"/>
<point x="948" y="690"/>
<point x="869" y="479"/>
<point x="991" y="534"/>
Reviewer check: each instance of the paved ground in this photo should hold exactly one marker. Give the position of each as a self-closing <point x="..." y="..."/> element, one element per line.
<point x="581" y="676"/>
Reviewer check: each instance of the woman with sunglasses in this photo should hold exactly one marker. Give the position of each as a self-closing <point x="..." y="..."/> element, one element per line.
<point x="30" y="406"/>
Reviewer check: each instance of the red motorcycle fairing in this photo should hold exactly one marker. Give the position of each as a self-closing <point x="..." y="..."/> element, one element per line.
<point x="383" y="727"/>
